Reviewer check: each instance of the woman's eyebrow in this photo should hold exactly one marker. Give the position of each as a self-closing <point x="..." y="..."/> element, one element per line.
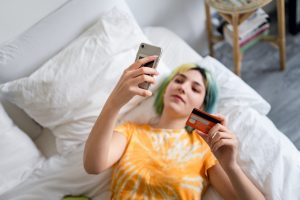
<point x="198" y="84"/>
<point x="195" y="82"/>
<point x="182" y="75"/>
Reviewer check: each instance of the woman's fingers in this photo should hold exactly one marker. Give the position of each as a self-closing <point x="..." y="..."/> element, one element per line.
<point x="141" y="71"/>
<point x="219" y="136"/>
<point x="127" y="86"/>
<point x="141" y="62"/>
<point x="141" y="92"/>
<point x="136" y="74"/>
<point x="136" y="90"/>
<point x="143" y="78"/>
<point x="223" y="119"/>
<point x="216" y="128"/>
<point x="222" y="142"/>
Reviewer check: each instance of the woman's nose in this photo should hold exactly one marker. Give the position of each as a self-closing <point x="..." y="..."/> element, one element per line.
<point x="181" y="88"/>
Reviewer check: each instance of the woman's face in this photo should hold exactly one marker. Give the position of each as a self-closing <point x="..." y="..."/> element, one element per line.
<point x="185" y="92"/>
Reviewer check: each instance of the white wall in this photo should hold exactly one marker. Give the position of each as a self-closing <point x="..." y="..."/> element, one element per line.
<point x="18" y="15"/>
<point x="184" y="17"/>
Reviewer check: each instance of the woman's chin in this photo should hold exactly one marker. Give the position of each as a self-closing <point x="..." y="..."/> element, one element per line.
<point x="177" y="109"/>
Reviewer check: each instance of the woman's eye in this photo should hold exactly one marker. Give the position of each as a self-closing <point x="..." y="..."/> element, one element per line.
<point x="196" y="90"/>
<point x="178" y="81"/>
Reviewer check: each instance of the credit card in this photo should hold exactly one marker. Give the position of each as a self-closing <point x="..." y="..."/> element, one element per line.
<point x="202" y="121"/>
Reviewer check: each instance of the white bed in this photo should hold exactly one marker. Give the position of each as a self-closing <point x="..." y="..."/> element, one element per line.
<point x="60" y="100"/>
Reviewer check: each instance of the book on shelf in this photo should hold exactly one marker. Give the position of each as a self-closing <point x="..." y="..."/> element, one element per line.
<point x="252" y="42"/>
<point x="252" y="22"/>
<point x="250" y="31"/>
<point x="255" y="33"/>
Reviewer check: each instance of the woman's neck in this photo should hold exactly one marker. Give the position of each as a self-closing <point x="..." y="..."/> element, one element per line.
<point x="171" y="122"/>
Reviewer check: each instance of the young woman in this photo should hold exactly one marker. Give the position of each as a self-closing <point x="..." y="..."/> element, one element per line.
<point x="163" y="160"/>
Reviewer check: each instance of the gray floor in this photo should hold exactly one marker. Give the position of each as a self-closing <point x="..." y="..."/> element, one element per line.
<point x="260" y="69"/>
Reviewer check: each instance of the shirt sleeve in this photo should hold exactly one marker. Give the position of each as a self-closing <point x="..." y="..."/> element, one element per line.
<point x="125" y="129"/>
<point x="209" y="159"/>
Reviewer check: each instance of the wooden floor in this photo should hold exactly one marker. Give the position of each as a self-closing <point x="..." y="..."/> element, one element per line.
<point x="260" y="69"/>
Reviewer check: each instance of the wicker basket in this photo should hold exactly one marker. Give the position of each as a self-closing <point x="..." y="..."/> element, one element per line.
<point x="237" y="6"/>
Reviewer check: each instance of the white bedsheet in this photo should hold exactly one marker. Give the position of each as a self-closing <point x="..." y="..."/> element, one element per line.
<point x="59" y="176"/>
<point x="267" y="156"/>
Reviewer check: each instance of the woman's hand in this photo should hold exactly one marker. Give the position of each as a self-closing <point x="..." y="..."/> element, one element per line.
<point x="223" y="143"/>
<point x="127" y="87"/>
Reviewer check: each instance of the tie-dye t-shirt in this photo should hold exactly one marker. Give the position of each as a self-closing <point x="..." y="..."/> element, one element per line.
<point x="161" y="164"/>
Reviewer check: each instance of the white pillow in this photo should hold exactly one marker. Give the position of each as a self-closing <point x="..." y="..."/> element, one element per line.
<point x="26" y="53"/>
<point x="18" y="155"/>
<point x="233" y="90"/>
<point x="67" y="93"/>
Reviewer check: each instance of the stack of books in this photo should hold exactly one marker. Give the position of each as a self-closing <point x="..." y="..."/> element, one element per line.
<point x="250" y="31"/>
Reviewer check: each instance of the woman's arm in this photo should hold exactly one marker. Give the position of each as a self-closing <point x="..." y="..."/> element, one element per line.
<point x="228" y="173"/>
<point x="99" y="153"/>
<point x="233" y="184"/>
<point x="104" y="147"/>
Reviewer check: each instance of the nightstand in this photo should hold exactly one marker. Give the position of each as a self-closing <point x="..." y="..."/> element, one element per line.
<point x="235" y="14"/>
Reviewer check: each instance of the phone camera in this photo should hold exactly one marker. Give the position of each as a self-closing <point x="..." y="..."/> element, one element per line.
<point x="142" y="46"/>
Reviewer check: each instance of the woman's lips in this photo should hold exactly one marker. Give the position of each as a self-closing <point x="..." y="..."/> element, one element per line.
<point x="178" y="97"/>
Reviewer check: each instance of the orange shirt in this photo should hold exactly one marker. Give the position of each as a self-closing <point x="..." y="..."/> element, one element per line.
<point x="161" y="164"/>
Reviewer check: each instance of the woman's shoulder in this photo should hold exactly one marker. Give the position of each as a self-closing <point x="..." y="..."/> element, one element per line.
<point x="132" y="125"/>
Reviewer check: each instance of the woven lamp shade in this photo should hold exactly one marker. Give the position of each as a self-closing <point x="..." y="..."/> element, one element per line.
<point x="237" y="6"/>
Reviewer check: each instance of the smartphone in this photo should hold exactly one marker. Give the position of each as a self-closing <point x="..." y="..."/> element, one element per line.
<point x="144" y="51"/>
<point x="202" y="121"/>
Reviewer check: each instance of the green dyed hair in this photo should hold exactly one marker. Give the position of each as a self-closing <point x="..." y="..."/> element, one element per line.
<point x="211" y="96"/>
